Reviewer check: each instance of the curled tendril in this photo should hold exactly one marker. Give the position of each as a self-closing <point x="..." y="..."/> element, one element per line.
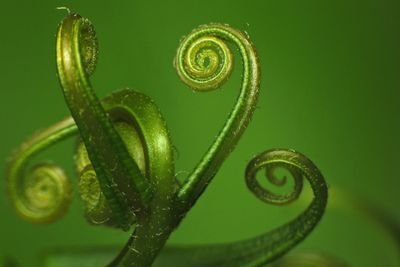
<point x="269" y="246"/>
<point x="204" y="63"/>
<point x="48" y="188"/>
<point x="124" y="156"/>
<point x="76" y="60"/>
<point x="266" y="195"/>
<point x="42" y="193"/>
<point x="200" y="53"/>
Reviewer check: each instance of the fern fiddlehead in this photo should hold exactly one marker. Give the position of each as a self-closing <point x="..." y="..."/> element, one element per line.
<point x="125" y="160"/>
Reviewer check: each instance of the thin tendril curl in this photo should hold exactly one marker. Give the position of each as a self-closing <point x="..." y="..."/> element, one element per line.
<point x="204" y="63"/>
<point x="42" y="193"/>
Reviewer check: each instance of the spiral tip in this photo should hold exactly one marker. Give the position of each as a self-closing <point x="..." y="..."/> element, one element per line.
<point x="46" y="194"/>
<point x="203" y="61"/>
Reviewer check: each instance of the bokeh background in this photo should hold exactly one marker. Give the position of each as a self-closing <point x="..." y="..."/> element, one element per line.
<point x="329" y="89"/>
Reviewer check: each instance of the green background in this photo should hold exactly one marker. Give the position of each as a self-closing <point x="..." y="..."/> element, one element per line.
<point x="329" y="89"/>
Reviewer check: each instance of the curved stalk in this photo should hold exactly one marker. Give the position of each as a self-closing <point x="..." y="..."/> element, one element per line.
<point x="204" y="62"/>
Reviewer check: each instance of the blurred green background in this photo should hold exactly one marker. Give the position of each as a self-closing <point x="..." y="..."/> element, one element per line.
<point x="329" y="80"/>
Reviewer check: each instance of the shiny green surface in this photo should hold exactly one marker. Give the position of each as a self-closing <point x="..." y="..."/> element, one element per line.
<point x="329" y="90"/>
